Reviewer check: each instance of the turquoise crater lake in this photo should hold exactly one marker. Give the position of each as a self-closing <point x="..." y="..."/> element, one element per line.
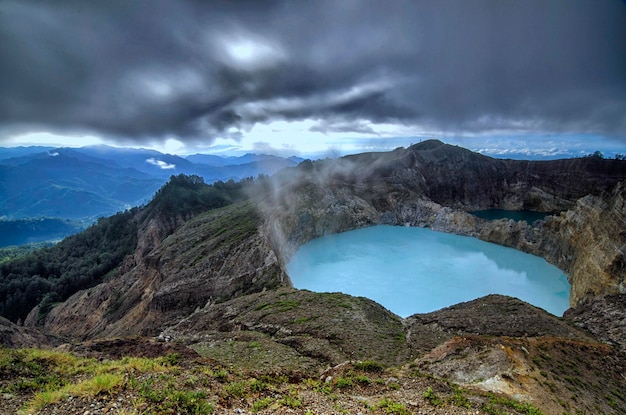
<point x="415" y="270"/>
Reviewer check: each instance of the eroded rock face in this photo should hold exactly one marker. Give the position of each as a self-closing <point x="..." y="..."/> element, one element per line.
<point x="604" y="317"/>
<point x="212" y="257"/>
<point x="522" y="367"/>
<point x="434" y="185"/>
<point x="588" y="242"/>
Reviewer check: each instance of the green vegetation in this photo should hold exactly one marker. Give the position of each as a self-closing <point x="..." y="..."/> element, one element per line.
<point x="50" y="376"/>
<point x="363" y="380"/>
<point x="189" y="195"/>
<point x="44" y="380"/>
<point x="599" y="156"/>
<point x="433" y="398"/>
<point x="342" y="383"/>
<point x="169" y="399"/>
<point x="391" y="407"/>
<point x="459" y="399"/>
<point x="279" y="306"/>
<point x="261" y="404"/>
<point x="497" y="403"/>
<point x="595" y="155"/>
<point x="369" y="366"/>
<point x="235" y="390"/>
<point x="9" y="253"/>
<point x="292" y="400"/>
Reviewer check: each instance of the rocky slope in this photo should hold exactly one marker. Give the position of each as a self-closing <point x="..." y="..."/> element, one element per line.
<point x="212" y="257"/>
<point x="493" y="344"/>
<point x="604" y="317"/>
<point x="12" y="335"/>
<point x="492" y="355"/>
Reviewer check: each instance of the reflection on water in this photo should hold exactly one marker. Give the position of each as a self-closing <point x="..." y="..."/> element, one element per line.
<point x="416" y="270"/>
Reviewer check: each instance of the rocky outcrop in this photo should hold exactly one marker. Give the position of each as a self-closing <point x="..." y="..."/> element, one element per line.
<point x="603" y="317"/>
<point x="324" y="328"/>
<point x="213" y="257"/>
<point x="502" y="345"/>
<point x="588" y="242"/>
<point x="434" y="185"/>
<point x="493" y="315"/>
<point x="545" y="372"/>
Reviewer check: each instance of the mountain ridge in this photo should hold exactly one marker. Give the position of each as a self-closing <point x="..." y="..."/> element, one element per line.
<point x="82" y="184"/>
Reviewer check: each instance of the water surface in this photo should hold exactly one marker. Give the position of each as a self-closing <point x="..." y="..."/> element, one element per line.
<point x="416" y="270"/>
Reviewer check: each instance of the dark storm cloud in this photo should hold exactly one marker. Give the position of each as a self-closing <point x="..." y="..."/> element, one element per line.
<point x="198" y="70"/>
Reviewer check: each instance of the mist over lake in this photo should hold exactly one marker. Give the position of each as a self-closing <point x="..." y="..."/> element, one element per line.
<point x="416" y="270"/>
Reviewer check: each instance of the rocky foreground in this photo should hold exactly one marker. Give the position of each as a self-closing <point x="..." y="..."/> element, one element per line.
<point x="293" y="351"/>
<point x="213" y="286"/>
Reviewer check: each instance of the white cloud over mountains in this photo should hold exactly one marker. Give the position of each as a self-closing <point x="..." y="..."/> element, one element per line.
<point x="160" y="163"/>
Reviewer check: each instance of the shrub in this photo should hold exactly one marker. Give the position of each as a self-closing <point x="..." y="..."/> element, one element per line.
<point x="369" y="366"/>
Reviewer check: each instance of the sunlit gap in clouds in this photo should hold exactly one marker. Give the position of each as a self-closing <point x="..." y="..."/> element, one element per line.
<point x="246" y="51"/>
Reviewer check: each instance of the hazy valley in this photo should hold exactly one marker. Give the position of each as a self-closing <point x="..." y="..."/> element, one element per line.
<point x="48" y="193"/>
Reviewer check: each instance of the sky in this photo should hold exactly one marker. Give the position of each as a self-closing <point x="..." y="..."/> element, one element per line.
<point x="543" y="78"/>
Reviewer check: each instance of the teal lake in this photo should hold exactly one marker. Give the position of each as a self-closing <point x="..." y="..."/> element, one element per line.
<point x="415" y="270"/>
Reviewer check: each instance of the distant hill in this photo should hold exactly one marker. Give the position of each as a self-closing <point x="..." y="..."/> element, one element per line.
<point x="236" y="168"/>
<point x="29" y="231"/>
<point x="213" y="160"/>
<point x="95" y="181"/>
<point x="13" y="152"/>
<point x="68" y="184"/>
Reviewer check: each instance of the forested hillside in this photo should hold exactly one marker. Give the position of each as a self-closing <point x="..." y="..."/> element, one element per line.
<point x="51" y="275"/>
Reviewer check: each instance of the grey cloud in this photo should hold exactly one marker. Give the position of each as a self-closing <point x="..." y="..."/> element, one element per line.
<point x="358" y="127"/>
<point x="148" y="70"/>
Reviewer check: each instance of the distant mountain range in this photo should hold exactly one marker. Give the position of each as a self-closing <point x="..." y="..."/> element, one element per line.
<point x="90" y="182"/>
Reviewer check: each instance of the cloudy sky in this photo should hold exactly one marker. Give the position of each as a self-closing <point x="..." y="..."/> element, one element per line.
<point x="296" y="77"/>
